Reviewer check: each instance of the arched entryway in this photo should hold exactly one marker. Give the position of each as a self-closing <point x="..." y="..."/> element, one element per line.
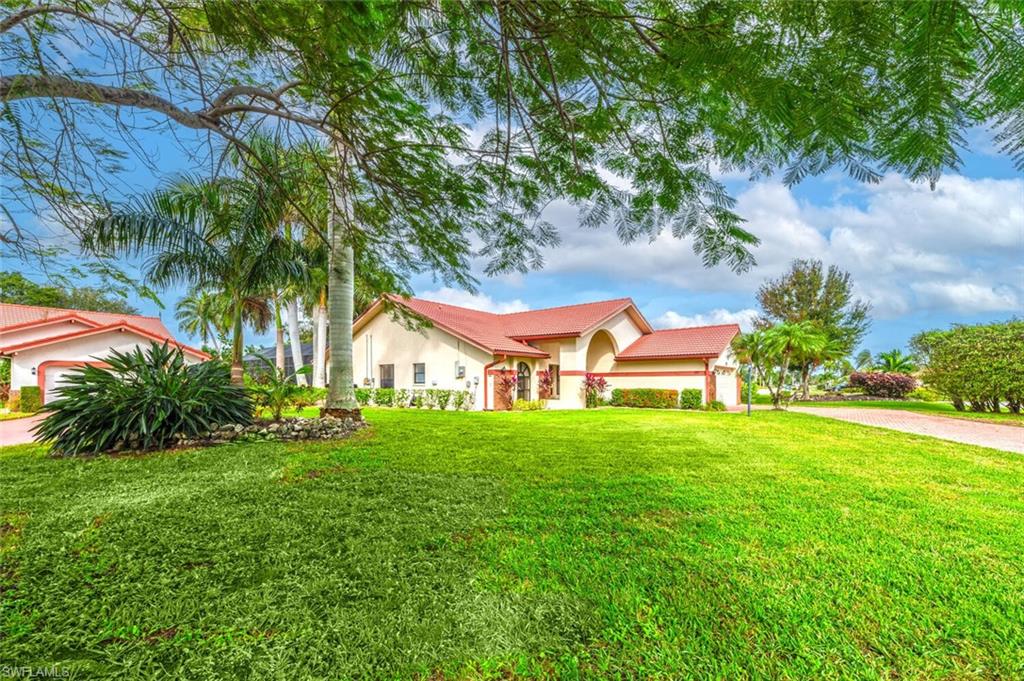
<point x="523" y="381"/>
<point x="600" y="352"/>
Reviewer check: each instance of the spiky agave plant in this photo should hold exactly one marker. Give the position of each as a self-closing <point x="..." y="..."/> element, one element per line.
<point x="141" y="400"/>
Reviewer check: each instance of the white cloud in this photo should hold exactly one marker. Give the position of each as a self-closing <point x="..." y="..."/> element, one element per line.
<point x="957" y="249"/>
<point x="672" y="319"/>
<point x="474" y="301"/>
<point x="968" y="297"/>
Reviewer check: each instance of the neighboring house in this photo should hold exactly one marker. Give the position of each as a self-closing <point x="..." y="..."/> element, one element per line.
<point x="466" y="349"/>
<point x="255" y="365"/>
<point x="44" y="343"/>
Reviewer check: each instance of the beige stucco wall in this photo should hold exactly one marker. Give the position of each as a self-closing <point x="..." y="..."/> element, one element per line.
<point x="385" y="341"/>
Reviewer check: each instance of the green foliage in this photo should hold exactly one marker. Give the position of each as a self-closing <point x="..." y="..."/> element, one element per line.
<point x="418" y="398"/>
<point x="364" y="396"/>
<point x="142" y="401"/>
<point x="307" y="395"/>
<point x="690" y="398"/>
<point x="924" y="394"/>
<point x="714" y="405"/>
<point x="15" y="288"/>
<point x="460" y="398"/>
<point x="384" y="397"/>
<point x="594" y="387"/>
<point x="774" y="351"/>
<point x="402" y="398"/>
<point x="895" y="362"/>
<point x="31" y="398"/>
<point x="443" y="398"/>
<point x="649" y="398"/>
<point x="529" y="405"/>
<point x="275" y="390"/>
<point x="978" y="366"/>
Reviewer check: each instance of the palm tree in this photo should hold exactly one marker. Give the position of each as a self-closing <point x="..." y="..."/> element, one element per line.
<point x="216" y="235"/>
<point x="895" y="362"/>
<point x="202" y="314"/>
<point x="831" y="350"/>
<point x="864" y="360"/>
<point x="783" y="342"/>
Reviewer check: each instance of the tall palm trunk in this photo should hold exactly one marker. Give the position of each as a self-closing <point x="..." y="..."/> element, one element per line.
<point x="278" y="336"/>
<point x="320" y="341"/>
<point x="296" y="341"/>
<point x="341" y="398"/>
<point x="237" y="368"/>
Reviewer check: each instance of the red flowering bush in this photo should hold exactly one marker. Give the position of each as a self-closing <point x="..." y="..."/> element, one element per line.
<point x="593" y="388"/>
<point x="545" y="382"/>
<point x="883" y="384"/>
<point x="504" y="387"/>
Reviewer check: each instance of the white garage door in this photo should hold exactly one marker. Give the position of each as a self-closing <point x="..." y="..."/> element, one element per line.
<point x="54" y="379"/>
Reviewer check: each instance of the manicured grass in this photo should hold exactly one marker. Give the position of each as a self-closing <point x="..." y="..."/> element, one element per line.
<point x="934" y="408"/>
<point x="596" y="544"/>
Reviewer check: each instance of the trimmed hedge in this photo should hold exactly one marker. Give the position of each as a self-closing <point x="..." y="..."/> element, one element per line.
<point x="690" y="398"/>
<point x="883" y="384"/>
<point x="647" y="398"/>
<point x="31" y="399"/>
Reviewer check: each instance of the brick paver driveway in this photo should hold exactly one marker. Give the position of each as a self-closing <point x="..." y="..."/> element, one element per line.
<point x="16" y="431"/>
<point x="997" y="436"/>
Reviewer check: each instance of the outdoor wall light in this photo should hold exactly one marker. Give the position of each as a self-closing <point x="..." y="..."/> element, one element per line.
<point x="33" y="371"/>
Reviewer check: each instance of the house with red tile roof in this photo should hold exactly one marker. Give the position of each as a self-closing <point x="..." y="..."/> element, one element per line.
<point x="411" y="343"/>
<point x="44" y="343"/>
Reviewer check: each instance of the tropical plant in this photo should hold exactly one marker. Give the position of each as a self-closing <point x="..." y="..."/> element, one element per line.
<point x="649" y="398"/>
<point x="864" y="361"/>
<point x="402" y="398"/>
<point x="205" y="315"/>
<point x="363" y="396"/>
<point x="504" y="389"/>
<point x="545" y="383"/>
<point x="143" y="399"/>
<point x="895" y="362"/>
<point x="459" y="399"/>
<point x="274" y="389"/>
<point x="824" y="298"/>
<point x="780" y="345"/>
<point x="215" y="235"/>
<point x="594" y="387"/>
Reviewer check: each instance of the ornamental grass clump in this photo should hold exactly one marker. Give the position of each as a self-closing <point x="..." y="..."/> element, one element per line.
<point x="142" y="400"/>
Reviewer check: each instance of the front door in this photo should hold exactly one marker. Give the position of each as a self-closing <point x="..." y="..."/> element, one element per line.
<point x="523" y="382"/>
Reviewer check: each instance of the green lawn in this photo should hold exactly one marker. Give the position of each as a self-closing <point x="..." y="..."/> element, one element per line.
<point x="934" y="408"/>
<point x="541" y="544"/>
<point x="12" y="415"/>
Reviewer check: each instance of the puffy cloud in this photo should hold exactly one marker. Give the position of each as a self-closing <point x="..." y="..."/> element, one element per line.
<point x="672" y="319"/>
<point x="474" y="301"/>
<point x="958" y="248"/>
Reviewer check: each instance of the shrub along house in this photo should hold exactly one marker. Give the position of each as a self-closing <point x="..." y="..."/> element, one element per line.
<point x="44" y="343"/>
<point x="466" y="349"/>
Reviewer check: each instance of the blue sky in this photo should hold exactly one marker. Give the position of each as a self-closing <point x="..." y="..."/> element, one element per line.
<point x="922" y="258"/>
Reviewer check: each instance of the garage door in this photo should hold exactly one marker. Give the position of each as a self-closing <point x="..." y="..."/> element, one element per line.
<point x="54" y="379"/>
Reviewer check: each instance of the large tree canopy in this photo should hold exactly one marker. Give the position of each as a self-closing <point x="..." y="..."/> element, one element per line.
<point x="626" y="108"/>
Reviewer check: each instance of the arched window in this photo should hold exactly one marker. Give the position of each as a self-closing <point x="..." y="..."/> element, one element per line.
<point x="523" y="382"/>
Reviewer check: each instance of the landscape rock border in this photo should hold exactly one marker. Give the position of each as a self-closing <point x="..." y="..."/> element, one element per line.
<point x="288" y="429"/>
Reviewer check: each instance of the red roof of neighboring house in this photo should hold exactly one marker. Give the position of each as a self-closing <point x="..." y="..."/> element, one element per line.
<point x="507" y="333"/>
<point x="696" y="341"/>
<point x="13" y="316"/>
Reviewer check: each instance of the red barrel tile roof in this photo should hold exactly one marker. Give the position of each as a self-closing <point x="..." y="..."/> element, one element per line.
<point x="697" y="341"/>
<point x="12" y="314"/>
